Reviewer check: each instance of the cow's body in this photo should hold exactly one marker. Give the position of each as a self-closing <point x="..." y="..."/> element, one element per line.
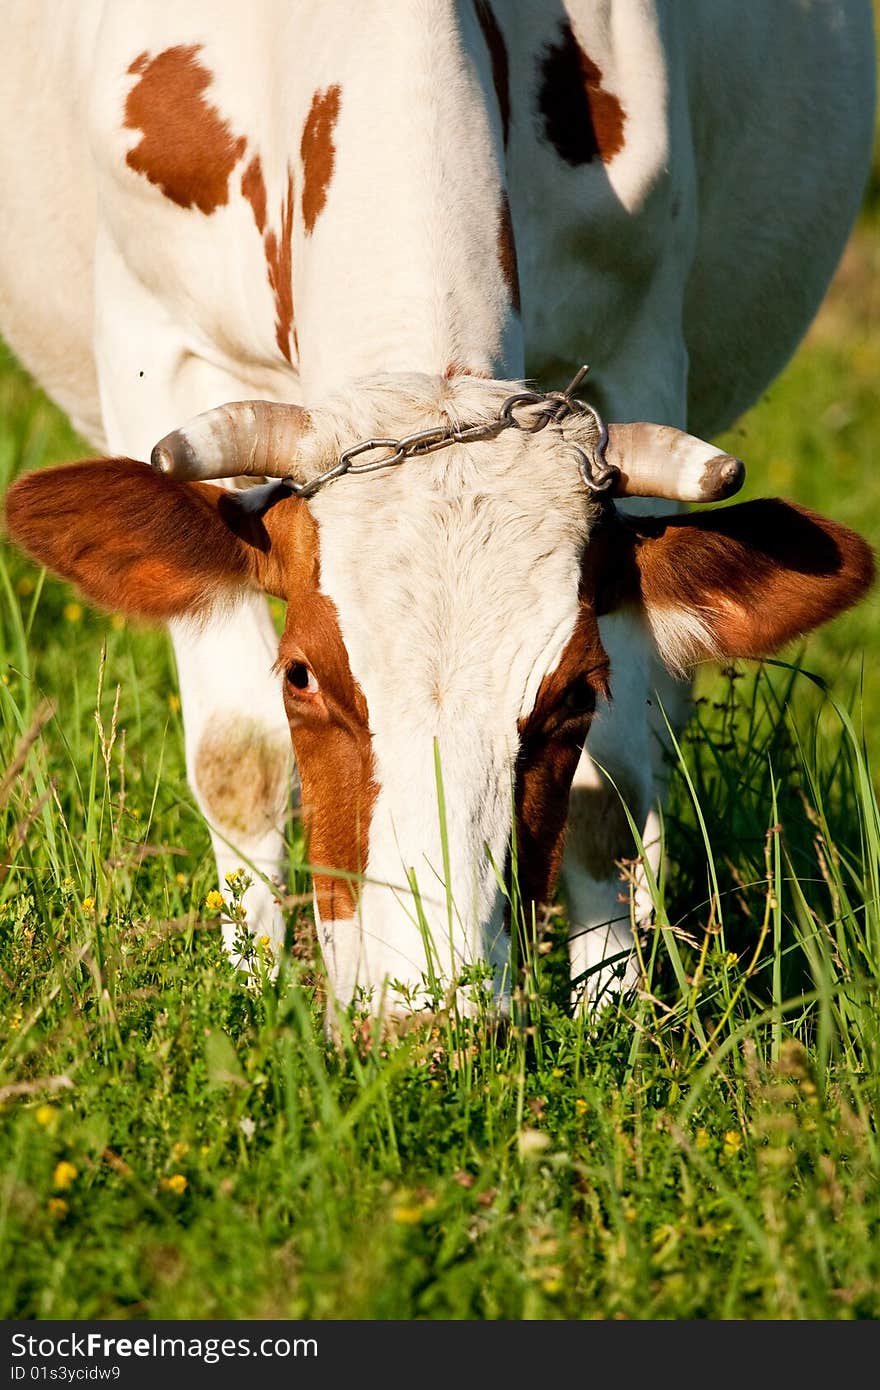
<point x="207" y="202"/>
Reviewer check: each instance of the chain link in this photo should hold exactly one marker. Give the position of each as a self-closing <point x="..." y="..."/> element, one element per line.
<point x="598" y="475"/>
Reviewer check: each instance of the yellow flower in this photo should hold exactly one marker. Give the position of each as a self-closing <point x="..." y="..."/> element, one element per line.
<point x="179" y="1150"/>
<point x="176" y="1183"/>
<point x="214" y="900"/>
<point x="58" y="1208"/>
<point x="408" y="1216"/>
<point x="46" y="1115"/>
<point x="580" y="1106"/>
<point x="65" y="1175"/>
<point x="557" y="1072"/>
<point x="88" y="904"/>
<point x="732" y="1142"/>
<point x="180" y="878"/>
<point x="702" y="1139"/>
<point x="73" y="612"/>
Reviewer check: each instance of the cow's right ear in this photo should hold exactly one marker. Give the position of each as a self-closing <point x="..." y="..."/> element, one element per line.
<point x="133" y="540"/>
<point x="737" y="581"/>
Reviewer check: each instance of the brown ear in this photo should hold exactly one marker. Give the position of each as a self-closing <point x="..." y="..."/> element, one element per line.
<point x="134" y="540"/>
<point x="735" y="582"/>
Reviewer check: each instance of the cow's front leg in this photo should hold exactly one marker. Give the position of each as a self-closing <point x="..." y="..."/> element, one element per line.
<point x="646" y="379"/>
<point x="238" y="754"/>
<point x="604" y="907"/>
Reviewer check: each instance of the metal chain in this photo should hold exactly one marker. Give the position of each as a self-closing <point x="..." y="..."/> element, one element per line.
<point x="598" y="475"/>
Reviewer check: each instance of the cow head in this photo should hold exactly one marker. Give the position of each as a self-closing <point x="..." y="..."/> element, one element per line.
<point x="441" y="662"/>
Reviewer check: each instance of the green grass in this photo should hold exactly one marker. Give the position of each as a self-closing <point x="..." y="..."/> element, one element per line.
<point x="709" y="1151"/>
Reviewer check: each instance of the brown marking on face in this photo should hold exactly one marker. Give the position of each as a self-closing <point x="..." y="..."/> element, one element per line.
<point x="330" y="732"/>
<point x="551" y="742"/>
<point x="186" y="148"/>
<point x="500" y="64"/>
<point x="507" y="252"/>
<point x="278" y="250"/>
<point x="242" y="775"/>
<point x="581" y="119"/>
<point x="318" y="153"/>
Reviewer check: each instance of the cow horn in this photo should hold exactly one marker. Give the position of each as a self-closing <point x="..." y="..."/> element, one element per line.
<point x="243" y="438"/>
<point x="659" y="461"/>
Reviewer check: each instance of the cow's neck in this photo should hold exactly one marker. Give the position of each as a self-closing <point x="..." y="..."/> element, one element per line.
<point x="407" y="259"/>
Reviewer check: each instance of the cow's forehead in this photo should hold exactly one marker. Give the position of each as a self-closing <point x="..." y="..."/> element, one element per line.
<point x="456" y="575"/>
<point x="527" y="474"/>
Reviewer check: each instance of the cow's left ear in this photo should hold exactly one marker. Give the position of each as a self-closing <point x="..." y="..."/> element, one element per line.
<point x="740" y="581"/>
<point x="155" y="548"/>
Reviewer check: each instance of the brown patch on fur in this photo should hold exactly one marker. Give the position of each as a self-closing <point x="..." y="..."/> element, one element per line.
<point x="242" y="776"/>
<point x="279" y="262"/>
<point x="331" y="735"/>
<point x="278" y="250"/>
<point x="253" y="188"/>
<point x="507" y="252"/>
<point x="757" y="574"/>
<point x="581" y="119"/>
<point x="186" y="148"/>
<point x="551" y="742"/>
<point x="500" y="64"/>
<point x="318" y="153"/>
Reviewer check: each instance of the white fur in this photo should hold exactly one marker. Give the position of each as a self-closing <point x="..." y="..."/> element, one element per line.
<point x="682" y="636"/>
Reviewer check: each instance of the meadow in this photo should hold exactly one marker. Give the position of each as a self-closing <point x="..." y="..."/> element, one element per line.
<point x="176" y="1143"/>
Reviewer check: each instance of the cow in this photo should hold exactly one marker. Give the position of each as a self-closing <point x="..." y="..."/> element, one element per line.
<point x="358" y="251"/>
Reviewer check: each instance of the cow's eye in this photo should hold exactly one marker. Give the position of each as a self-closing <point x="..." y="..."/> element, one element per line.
<point x="301" y="678"/>
<point x="579" y="699"/>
